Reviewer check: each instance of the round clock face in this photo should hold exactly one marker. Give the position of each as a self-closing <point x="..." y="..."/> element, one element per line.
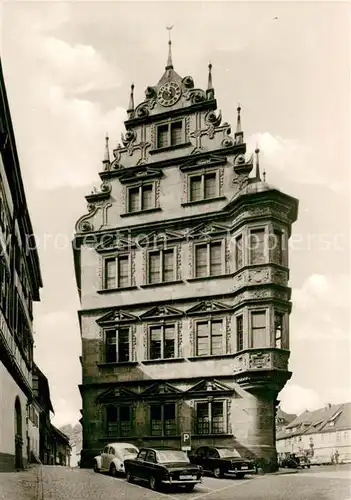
<point x="169" y="94"/>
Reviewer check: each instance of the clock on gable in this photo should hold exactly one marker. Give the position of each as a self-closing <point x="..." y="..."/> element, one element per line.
<point x="169" y="94"/>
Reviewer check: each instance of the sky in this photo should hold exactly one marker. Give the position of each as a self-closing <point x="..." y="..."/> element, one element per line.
<point x="68" y="69"/>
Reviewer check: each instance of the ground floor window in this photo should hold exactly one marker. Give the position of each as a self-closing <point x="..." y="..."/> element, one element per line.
<point x="119" y="421"/>
<point x="210" y="417"/>
<point x="163" y="419"/>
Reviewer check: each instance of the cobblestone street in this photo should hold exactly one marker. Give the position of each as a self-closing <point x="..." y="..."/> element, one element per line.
<point x="61" y="483"/>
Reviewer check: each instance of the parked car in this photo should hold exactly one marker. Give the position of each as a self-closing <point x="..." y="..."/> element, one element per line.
<point x="113" y="456"/>
<point x="163" y="466"/>
<point x="219" y="461"/>
<point x="293" y="461"/>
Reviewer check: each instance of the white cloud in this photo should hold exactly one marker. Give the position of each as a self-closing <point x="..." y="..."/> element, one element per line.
<point x="322" y="290"/>
<point x="296" y="399"/>
<point x="60" y="133"/>
<point x="287" y="160"/>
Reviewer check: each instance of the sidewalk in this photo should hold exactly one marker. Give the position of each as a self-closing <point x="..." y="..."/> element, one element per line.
<point x="22" y="485"/>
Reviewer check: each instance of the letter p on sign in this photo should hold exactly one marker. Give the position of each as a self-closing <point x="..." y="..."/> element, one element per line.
<point x="186" y="441"/>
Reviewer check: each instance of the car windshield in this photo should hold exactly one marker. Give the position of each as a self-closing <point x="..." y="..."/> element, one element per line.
<point x="166" y="456"/>
<point x="226" y="452"/>
<point x="129" y="451"/>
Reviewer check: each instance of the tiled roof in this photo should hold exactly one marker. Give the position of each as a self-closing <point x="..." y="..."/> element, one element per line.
<point x="286" y="417"/>
<point x="310" y="422"/>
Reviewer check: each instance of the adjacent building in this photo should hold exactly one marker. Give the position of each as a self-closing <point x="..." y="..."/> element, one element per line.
<point x="323" y="434"/>
<point x="61" y="449"/>
<point x="20" y="282"/>
<point x="182" y="269"/>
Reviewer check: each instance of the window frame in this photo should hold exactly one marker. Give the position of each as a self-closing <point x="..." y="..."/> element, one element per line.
<point x="162" y="325"/>
<point x="140" y="186"/>
<point x="236" y="264"/>
<point x="116" y="257"/>
<point x="282" y="329"/>
<point x="209" y="321"/>
<point x="210" y="425"/>
<point x="252" y="329"/>
<point x="168" y="124"/>
<point x="253" y="229"/>
<point x="117" y="329"/>
<point x="163" y="421"/>
<point x="118" y="422"/>
<point x="237" y="317"/>
<point x="202" y="174"/>
<point x="161" y="251"/>
<point x="208" y="251"/>
<point x="273" y="232"/>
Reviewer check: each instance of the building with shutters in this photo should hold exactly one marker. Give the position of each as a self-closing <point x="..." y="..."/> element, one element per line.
<point x="182" y="269"/>
<point x="20" y="283"/>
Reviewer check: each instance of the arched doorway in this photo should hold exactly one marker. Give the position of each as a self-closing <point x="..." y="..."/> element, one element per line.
<point x="18" y="435"/>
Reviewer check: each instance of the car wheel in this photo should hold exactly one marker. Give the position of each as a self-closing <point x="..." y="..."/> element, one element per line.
<point x="129" y="477"/>
<point x="96" y="468"/>
<point x="240" y="475"/>
<point x="113" y="470"/>
<point x="189" y="487"/>
<point x="308" y="466"/>
<point x="152" y="483"/>
<point x="218" y="473"/>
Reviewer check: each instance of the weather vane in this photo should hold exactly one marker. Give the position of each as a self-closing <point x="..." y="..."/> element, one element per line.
<point x="169" y="31"/>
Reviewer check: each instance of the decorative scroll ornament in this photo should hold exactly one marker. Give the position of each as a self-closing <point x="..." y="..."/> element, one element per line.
<point x="85" y="226"/>
<point x="150" y="92"/>
<point x="212" y="121"/>
<point x="188" y="82"/>
<point x="128" y="138"/>
<point x="142" y="111"/>
<point x="194" y="95"/>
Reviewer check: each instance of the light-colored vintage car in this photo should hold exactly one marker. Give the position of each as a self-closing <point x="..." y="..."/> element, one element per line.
<point x="112" y="458"/>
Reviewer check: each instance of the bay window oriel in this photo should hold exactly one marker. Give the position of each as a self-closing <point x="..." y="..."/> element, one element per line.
<point x="211" y="417"/>
<point x="162" y="341"/>
<point x="117" y="345"/>
<point x="209" y="259"/>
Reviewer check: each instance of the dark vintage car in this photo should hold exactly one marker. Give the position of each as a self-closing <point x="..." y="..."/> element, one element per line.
<point x="163" y="466"/>
<point x="293" y="461"/>
<point x="219" y="461"/>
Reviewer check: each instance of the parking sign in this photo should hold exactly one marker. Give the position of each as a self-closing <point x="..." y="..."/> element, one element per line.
<point x="186" y="441"/>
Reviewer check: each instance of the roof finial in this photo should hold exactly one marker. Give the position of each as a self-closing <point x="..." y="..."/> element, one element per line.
<point x="107" y="151"/>
<point x="258" y="175"/>
<point x="238" y="120"/>
<point x="169" y="60"/>
<point x="210" y="89"/>
<point x="239" y="135"/>
<point x="131" y="100"/>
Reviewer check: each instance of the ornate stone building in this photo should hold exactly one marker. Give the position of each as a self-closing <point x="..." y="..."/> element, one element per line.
<point x="20" y="283"/>
<point x="182" y="270"/>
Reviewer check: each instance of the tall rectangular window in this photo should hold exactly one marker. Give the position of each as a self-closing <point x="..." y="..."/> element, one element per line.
<point x="163" y="419"/>
<point x="162" y="136"/>
<point x="203" y="186"/>
<point x="276" y="246"/>
<point x="257" y="246"/>
<point x="209" y="337"/>
<point x="278" y="329"/>
<point x="258" y="328"/>
<point x="210" y="418"/>
<point x="239" y="252"/>
<point x="170" y="134"/>
<point x="208" y="259"/>
<point x="117" y="345"/>
<point x="161" y="266"/>
<point x="162" y="342"/>
<point x="141" y="198"/>
<point x="117" y="272"/>
<point x="119" y="421"/>
<point x="239" y="333"/>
